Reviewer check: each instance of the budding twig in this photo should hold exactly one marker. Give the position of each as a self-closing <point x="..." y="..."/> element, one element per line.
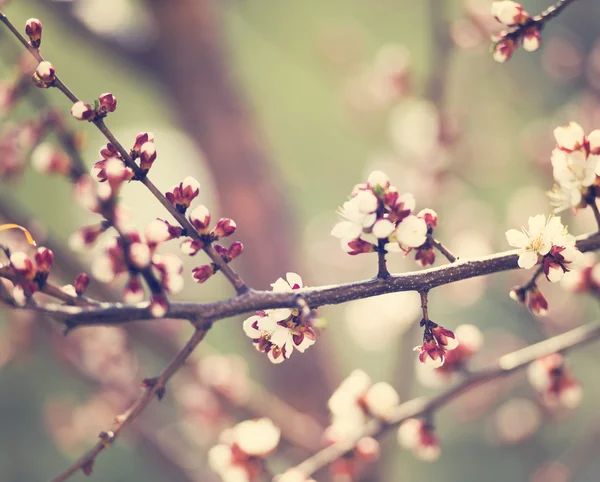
<point x="422" y="407"/>
<point x="152" y="387"/>
<point x="227" y="271"/>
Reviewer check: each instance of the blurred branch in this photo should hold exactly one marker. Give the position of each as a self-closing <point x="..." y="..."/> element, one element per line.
<point x="117" y="313"/>
<point x="152" y="387"/>
<point x="421" y="407"/>
<point x="538" y="22"/>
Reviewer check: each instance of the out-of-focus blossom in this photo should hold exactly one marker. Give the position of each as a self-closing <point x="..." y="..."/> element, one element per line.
<point x="240" y="454"/>
<point x="554" y="382"/>
<point x="419" y="437"/>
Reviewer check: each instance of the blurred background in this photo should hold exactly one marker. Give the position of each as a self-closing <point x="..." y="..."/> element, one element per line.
<point x="279" y="109"/>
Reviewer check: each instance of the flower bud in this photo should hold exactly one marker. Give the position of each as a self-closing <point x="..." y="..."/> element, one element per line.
<point x="531" y="39"/>
<point x="43" y="259"/>
<point x="503" y="50"/>
<point x="367" y="449"/>
<point x="200" y="218"/>
<point x="201" y="273"/>
<point x="106" y="103"/>
<point x="44" y="75"/>
<point x="181" y="196"/>
<point x="81" y="283"/>
<point x="33" y="29"/>
<point x="191" y="246"/>
<point x="429" y="216"/>
<point x="140" y="140"/>
<point x="22" y="264"/>
<point x="509" y="13"/>
<point x="224" y="227"/>
<point x="147" y="155"/>
<point x="82" y="111"/>
<point x="235" y="250"/>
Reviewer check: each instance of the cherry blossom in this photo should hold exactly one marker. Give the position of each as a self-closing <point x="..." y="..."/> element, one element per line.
<point x="509" y="13"/>
<point x="546" y="240"/>
<point x="575" y="166"/>
<point x="278" y="332"/>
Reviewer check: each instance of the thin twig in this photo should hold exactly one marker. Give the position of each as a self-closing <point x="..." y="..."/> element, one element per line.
<point x="442" y="249"/>
<point x="420" y="407"/>
<point x="117" y="313"/>
<point x="152" y="387"/>
<point x="382" y="271"/>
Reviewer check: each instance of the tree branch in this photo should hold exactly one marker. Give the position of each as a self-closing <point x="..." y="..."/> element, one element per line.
<point x="152" y="387"/>
<point x="419" y="407"/>
<point x="118" y="313"/>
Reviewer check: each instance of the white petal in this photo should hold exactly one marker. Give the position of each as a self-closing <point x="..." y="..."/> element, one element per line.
<point x="537" y="224"/>
<point x="294" y="279"/>
<point x="555" y="274"/>
<point x="346" y="229"/>
<point x="528" y="259"/>
<point x="383" y="228"/>
<point x="281" y="286"/>
<point x="516" y="238"/>
<point x="569" y="136"/>
<point x="249" y="329"/>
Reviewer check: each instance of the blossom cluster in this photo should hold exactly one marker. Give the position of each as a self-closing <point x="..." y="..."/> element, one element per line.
<point x="522" y="29"/>
<point x="575" y="167"/>
<point x="378" y="218"/>
<point x="554" y="382"/>
<point x="31" y="274"/>
<point x="242" y="450"/>
<point x="279" y="331"/>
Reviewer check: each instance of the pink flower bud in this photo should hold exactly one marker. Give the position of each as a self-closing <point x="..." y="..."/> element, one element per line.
<point x="107" y="103"/>
<point x="503" y="50"/>
<point x="221" y="251"/>
<point x="509" y="13"/>
<point x="43" y="259"/>
<point x="430" y="353"/>
<point x="224" y="227"/>
<point x="159" y="305"/>
<point x="181" y="196"/>
<point x="518" y="294"/>
<point x="147" y="155"/>
<point x="159" y="231"/>
<point x="201" y="273"/>
<point x="81" y="283"/>
<point x="191" y="246"/>
<point x="44" y="75"/>
<point x="235" y="250"/>
<point x="33" y="29"/>
<point x="430" y="217"/>
<point x="444" y="337"/>
<point x="141" y="139"/>
<point x="200" y="218"/>
<point x="532" y="39"/>
<point x="82" y="111"/>
<point x="19" y="296"/>
<point x="22" y="264"/>
<point x="418" y="436"/>
<point x="108" y="151"/>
